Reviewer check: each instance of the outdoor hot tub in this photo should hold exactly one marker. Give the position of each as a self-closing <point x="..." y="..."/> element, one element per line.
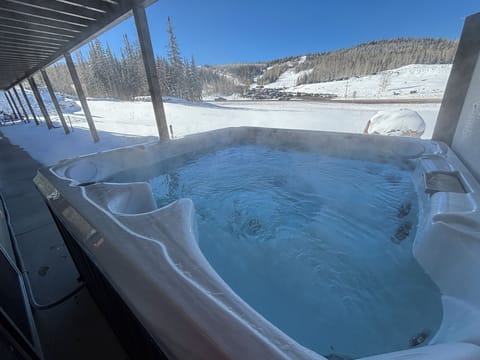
<point x="256" y="243"/>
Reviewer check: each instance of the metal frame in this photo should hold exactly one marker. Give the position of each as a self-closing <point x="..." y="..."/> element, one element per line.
<point x="20" y="103"/>
<point x="41" y="105"/>
<point x="81" y="96"/>
<point x="151" y="70"/>
<point x="459" y="81"/>
<point x="28" y="104"/>
<point x="17" y="113"/>
<point x="36" y="33"/>
<point x="9" y="103"/>
<point x="46" y="79"/>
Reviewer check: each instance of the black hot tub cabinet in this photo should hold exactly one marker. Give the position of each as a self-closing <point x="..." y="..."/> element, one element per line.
<point x="145" y="270"/>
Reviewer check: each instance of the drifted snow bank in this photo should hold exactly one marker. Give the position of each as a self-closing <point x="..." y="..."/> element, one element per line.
<point x="403" y="122"/>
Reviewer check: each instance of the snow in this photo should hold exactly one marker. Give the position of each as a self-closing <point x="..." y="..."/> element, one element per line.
<point x="123" y="123"/>
<point x="288" y="79"/>
<point x="402" y="122"/>
<point x="51" y="146"/>
<point x="410" y="81"/>
<point x="67" y="104"/>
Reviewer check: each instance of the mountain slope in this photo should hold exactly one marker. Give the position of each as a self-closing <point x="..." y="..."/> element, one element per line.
<point x="410" y="81"/>
<point x="364" y="59"/>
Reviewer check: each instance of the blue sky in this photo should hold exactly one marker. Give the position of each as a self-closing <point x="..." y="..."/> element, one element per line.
<point x="228" y="31"/>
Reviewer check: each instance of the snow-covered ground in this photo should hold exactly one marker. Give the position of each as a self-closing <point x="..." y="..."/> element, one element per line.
<point x="123" y="123"/>
<point x="411" y="81"/>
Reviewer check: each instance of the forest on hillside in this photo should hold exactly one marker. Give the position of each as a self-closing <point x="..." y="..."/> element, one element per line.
<point x="364" y="59"/>
<point x="107" y="75"/>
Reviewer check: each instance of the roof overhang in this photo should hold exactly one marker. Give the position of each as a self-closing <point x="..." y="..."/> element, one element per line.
<point x="36" y="33"/>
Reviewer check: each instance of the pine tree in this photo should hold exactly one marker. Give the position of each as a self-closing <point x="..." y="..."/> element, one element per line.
<point x="194" y="81"/>
<point x="175" y="70"/>
<point x="114" y="73"/>
<point x="162" y="66"/>
<point x="134" y="80"/>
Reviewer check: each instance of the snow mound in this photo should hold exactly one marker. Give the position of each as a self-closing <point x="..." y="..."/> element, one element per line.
<point x="67" y="105"/>
<point x="402" y="122"/>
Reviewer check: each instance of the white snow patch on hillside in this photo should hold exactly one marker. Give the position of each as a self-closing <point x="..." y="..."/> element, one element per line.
<point x="288" y="79"/>
<point x="410" y="81"/>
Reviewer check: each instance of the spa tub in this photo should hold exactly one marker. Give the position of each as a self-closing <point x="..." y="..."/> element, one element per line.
<point x="163" y="298"/>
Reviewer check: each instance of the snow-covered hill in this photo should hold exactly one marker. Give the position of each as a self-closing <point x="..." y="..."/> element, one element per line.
<point x="415" y="81"/>
<point x="363" y="60"/>
<point x="411" y="81"/>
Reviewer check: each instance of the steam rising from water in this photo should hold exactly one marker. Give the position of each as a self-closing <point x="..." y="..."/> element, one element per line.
<point x="321" y="247"/>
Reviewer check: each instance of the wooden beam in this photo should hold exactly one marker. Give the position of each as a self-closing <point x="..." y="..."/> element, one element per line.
<point x="28" y="104"/>
<point x="25" y="57"/>
<point x="49" y="23"/>
<point x="46" y="79"/>
<point x="39" y="30"/>
<point x="63" y="8"/>
<point x="150" y="70"/>
<point x="6" y="93"/>
<point x="15" y="19"/>
<point x="17" y="16"/>
<point x="28" y="35"/>
<point x="23" y="43"/>
<point x="18" y="50"/>
<point x="20" y="103"/>
<point x="20" y="39"/>
<point x="17" y="112"/>
<point x="41" y="105"/>
<point x="81" y="96"/>
<point x="91" y="4"/>
<point x="40" y="13"/>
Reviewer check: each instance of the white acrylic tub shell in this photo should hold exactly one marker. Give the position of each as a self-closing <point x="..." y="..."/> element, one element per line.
<point x="160" y="272"/>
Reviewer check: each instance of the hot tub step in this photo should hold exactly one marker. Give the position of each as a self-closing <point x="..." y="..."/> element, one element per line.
<point x="443" y="181"/>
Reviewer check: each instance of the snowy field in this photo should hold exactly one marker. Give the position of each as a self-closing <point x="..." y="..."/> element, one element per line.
<point x="123" y="123"/>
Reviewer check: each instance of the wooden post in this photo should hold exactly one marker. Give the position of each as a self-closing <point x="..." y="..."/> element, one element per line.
<point x="28" y="104"/>
<point x="17" y="113"/>
<point x="10" y="103"/>
<point x="55" y="101"/>
<point x="21" y="105"/>
<point x="150" y="69"/>
<point x="81" y="96"/>
<point x="41" y="105"/>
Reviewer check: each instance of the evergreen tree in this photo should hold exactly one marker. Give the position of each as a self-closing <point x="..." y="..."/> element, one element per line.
<point x="162" y="68"/>
<point x="194" y="81"/>
<point x="175" y="69"/>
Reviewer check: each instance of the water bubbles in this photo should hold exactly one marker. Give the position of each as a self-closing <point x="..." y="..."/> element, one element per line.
<point x="402" y="232"/>
<point x="252" y="227"/>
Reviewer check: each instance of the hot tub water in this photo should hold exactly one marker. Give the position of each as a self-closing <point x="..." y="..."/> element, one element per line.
<point x="320" y="246"/>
